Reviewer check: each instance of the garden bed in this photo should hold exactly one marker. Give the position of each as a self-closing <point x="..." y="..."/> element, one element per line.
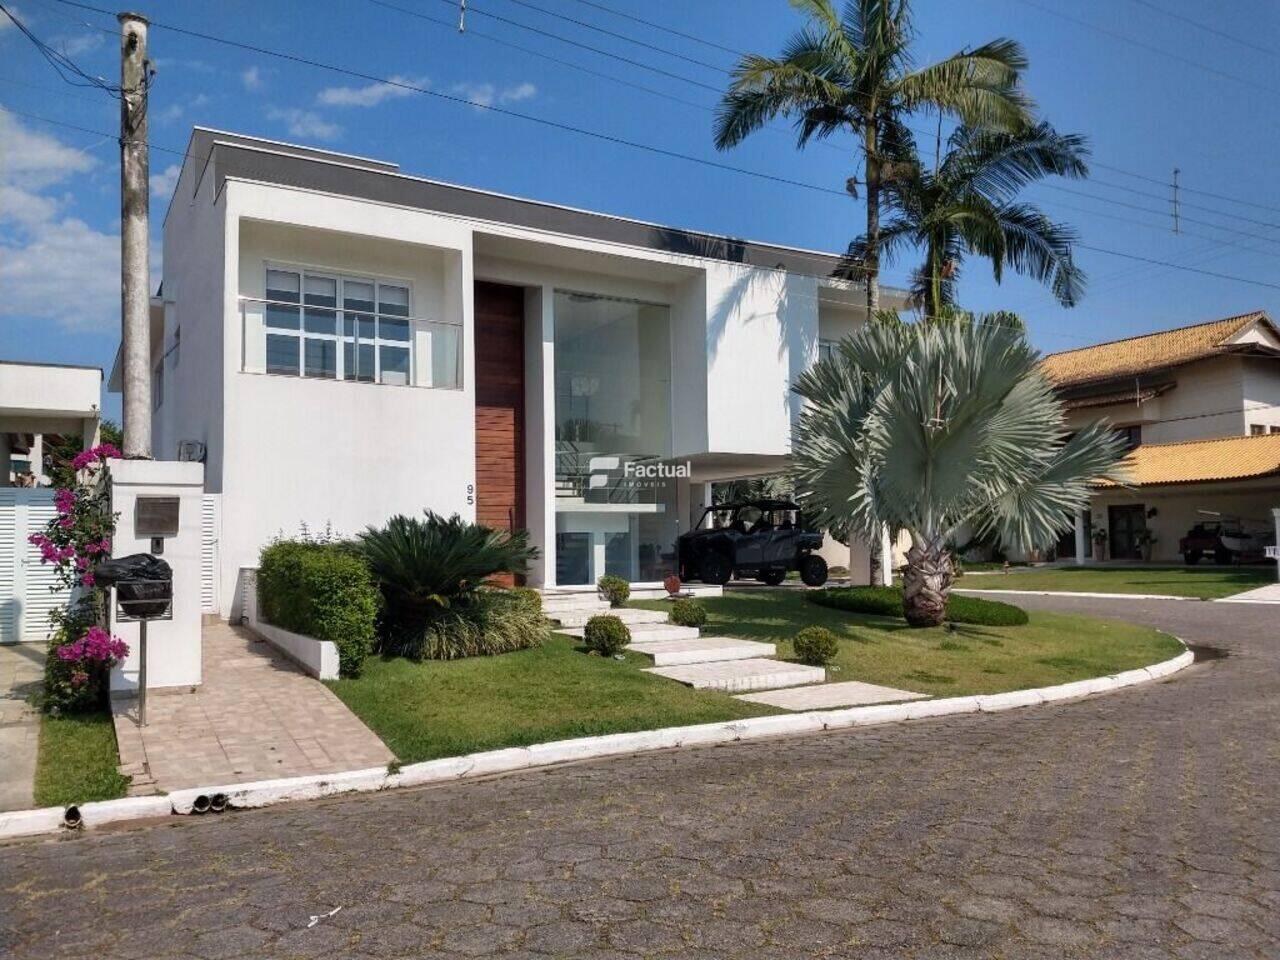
<point x="958" y="660"/>
<point x="78" y="760"/>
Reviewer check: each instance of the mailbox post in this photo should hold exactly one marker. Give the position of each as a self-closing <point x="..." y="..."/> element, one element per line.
<point x="143" y="591"/>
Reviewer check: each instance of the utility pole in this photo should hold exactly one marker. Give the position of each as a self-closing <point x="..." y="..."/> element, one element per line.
<point x="1176" y="212"/>
<point x="135" y="267"/>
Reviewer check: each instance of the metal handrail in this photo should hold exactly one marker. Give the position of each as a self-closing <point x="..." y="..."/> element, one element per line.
<point x="340" y="309"/>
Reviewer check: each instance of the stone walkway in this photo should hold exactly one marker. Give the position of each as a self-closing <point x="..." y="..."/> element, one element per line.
<point x="21" y="667"/>
<point x="1139" y="825"/>
<point x="1268" y="594"/>
<point x="256" y="717"/>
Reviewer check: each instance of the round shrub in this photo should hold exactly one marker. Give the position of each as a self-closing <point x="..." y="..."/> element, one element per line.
<point x="815" y="646"/>
<point x="614" y="589"/>
<point x="490" y="622"/>
<point x="887" y="602"/>
<point x="688" y="613"/>
<point x="606" y="635"/>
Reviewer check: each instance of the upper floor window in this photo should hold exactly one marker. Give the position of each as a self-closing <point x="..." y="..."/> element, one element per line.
<point x="1131" y="435"/>
<point x="1257" y="429"/>
<point x="335" y="327"/>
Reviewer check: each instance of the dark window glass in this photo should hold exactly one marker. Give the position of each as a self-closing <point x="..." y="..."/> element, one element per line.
<point x="322" y="358"/>
<point x="393" y="300"/>
<point x="282" y="354"/>
<point x="389" y="329"/>
<point x="395" y="365"/>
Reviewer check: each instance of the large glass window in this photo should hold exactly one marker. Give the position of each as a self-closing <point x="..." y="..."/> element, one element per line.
<point x="353" y="328"/>
<point x="614" y="510"/>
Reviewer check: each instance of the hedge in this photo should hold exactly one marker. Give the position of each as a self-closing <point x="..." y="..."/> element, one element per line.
<point x="887" y="602"/>
<point x="323" y="591"/>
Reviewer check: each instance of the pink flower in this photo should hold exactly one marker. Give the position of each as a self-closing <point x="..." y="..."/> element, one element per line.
<point x="88" y="580"/>
<point x="66" y="523"/>
<point x="106" y="451"/>
<point x="82" y="460"/>
<point x="65" y="500"/>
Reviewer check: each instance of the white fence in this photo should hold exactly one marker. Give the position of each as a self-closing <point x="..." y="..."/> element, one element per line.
<point x="28" y="588"/>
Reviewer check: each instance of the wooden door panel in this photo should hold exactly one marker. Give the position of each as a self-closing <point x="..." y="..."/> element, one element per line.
<point x="500" y="490"/>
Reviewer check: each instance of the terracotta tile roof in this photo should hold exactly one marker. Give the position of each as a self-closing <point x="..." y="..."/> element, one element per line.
<point x="1198" y="461"/>
<point x="1141" y="354"/>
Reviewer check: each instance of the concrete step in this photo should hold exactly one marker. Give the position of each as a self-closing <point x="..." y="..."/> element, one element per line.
<point x="701" y="590"/>
<point x="741" y="676"/>
<point x="673" y="653"/>
<point x="649" y="632"/>
<point x="579" y="618"/>
<point x="565" y="602"/>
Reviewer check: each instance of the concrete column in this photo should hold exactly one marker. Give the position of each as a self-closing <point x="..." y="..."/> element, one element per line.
<point x="1082" y="538"/>
<point x="540" y="431"/>
<point x="90" y="432"/>
<point x="37" y="458"/>
<point x="6" y="464"/>
<point x="173" y="646"/>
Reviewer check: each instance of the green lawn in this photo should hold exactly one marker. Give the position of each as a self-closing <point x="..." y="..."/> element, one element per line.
<point x="1052" y="648"/>
<point x="445" y="708"/>
<point x="77" y="761"/>
<point x="1207" y="583"/>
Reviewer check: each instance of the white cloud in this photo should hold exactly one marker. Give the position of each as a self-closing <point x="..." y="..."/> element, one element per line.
<point x="77" y="45"/>
<point x="162" y="183"/>
<point x="7" y="24"/>
<point x="52" y="266"/>
<point x="487" y="94"/>
<point x="371" y="94"/>
<point x="176" y="111"/>
<point x="304" y="123"/>
<point x="251" y="78"/>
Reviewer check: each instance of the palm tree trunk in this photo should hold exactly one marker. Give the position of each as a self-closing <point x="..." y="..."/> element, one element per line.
<point x="872" y="268"/>
<point x="926" y="582"/>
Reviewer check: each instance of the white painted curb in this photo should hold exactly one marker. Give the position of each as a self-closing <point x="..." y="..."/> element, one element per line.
<point x="1074" y="593"/>
<point x="267" y="792"/>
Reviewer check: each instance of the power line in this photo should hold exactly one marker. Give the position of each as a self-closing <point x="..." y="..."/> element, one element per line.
<point x="463" y="101"/>
<point x="657" y="26"/>
<point x="63" y="65"/>
<point x="1207" y="28"/>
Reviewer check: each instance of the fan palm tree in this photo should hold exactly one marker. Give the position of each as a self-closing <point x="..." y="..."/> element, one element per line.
<point x="966" y="206"/>
<point x="853" y="71"/>
<point x="931" y="427"/>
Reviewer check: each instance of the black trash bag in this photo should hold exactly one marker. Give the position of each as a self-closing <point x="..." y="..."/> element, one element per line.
<point x="144" y="584"/>
<point x="139" y="566"/>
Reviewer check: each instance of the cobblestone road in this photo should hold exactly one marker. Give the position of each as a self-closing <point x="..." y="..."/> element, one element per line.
<point x="1143" y="824"/>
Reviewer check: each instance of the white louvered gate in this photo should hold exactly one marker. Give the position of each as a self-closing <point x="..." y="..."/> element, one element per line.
<point x="26" y="584"/>
<point x="210" y="531"/>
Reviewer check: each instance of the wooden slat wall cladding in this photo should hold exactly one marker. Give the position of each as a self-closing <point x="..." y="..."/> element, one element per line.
<point x="500" y="493"/>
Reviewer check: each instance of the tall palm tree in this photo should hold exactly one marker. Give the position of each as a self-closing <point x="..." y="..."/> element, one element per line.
<point x="931" y="427"/>
<point x="966" y="205"/>
<point x="853" y="71"/>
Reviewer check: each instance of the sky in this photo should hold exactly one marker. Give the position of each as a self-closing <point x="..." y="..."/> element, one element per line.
<point x="1154" y="85"/>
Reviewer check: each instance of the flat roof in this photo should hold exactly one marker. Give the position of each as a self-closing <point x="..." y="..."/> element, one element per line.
<point x="48" y="363"/>
<point x="233" y="155"/>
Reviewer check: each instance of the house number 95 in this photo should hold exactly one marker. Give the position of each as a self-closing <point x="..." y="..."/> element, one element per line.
<point x="471" y="494"/>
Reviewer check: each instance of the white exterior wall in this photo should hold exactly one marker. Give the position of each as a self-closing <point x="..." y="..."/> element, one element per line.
<point x="1208" y="401"/>
<point x="1262" y="393"/>
<point x="326" y="452"/>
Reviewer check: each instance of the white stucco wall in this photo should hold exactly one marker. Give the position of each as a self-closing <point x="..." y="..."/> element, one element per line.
<point x="324" y="452"/>
<point x="1262" y="393"/>
<point x="1208" y="401"/>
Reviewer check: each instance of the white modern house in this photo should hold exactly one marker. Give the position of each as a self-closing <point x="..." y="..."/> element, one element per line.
<point x="339" y="342"/>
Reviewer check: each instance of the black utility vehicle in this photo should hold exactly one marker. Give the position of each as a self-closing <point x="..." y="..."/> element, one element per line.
<point x="754" y="538"/>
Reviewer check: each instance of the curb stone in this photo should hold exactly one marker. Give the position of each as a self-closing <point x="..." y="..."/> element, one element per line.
<point x="1076" y="593"/>
<point x="262" y="793"/>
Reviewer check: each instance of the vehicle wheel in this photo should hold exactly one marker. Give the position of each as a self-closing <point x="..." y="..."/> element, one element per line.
<point x="1222" y="556"/>
<point x="813" y="571"/>
<point x="1192" y="557"/>
<point x="772" y="577"/>
<point x="716" y="569"/>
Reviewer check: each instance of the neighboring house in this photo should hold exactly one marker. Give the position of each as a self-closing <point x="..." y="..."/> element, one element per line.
<point x="340" y="342"/>
<point x="37" y="401"/>
<point x="1200" y="407"/>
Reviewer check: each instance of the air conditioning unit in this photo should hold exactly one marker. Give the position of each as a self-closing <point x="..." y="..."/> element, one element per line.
<point x="191" y="451"/>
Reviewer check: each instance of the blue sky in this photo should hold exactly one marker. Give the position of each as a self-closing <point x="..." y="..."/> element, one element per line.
<point x="1197" y="101"/>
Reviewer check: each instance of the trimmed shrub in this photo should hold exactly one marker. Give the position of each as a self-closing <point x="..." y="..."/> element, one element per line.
<point x="527" y="597"/>
<point x="887" y="602"/>
<point x="323" y="591"/>
<point x="688" y="613"/>
<point x="488" y="623"/>
<point x="606" y="635"/>
<point x="614" y="589"/>
<point x="816" y="646"/>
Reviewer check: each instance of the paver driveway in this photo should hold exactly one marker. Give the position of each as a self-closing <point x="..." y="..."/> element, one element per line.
<point x="1141" y="824"/>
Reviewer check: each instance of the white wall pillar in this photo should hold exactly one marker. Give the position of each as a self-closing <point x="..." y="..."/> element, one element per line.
<point x="37" y="458"/>
<point x="1082" y="537"/>
<point x="886" y="557"/>
<point x="540" y="431"/>
<point x="173" y="646"/>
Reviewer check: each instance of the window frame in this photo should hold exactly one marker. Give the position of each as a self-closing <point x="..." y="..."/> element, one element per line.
<point x="346" y="348"/>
